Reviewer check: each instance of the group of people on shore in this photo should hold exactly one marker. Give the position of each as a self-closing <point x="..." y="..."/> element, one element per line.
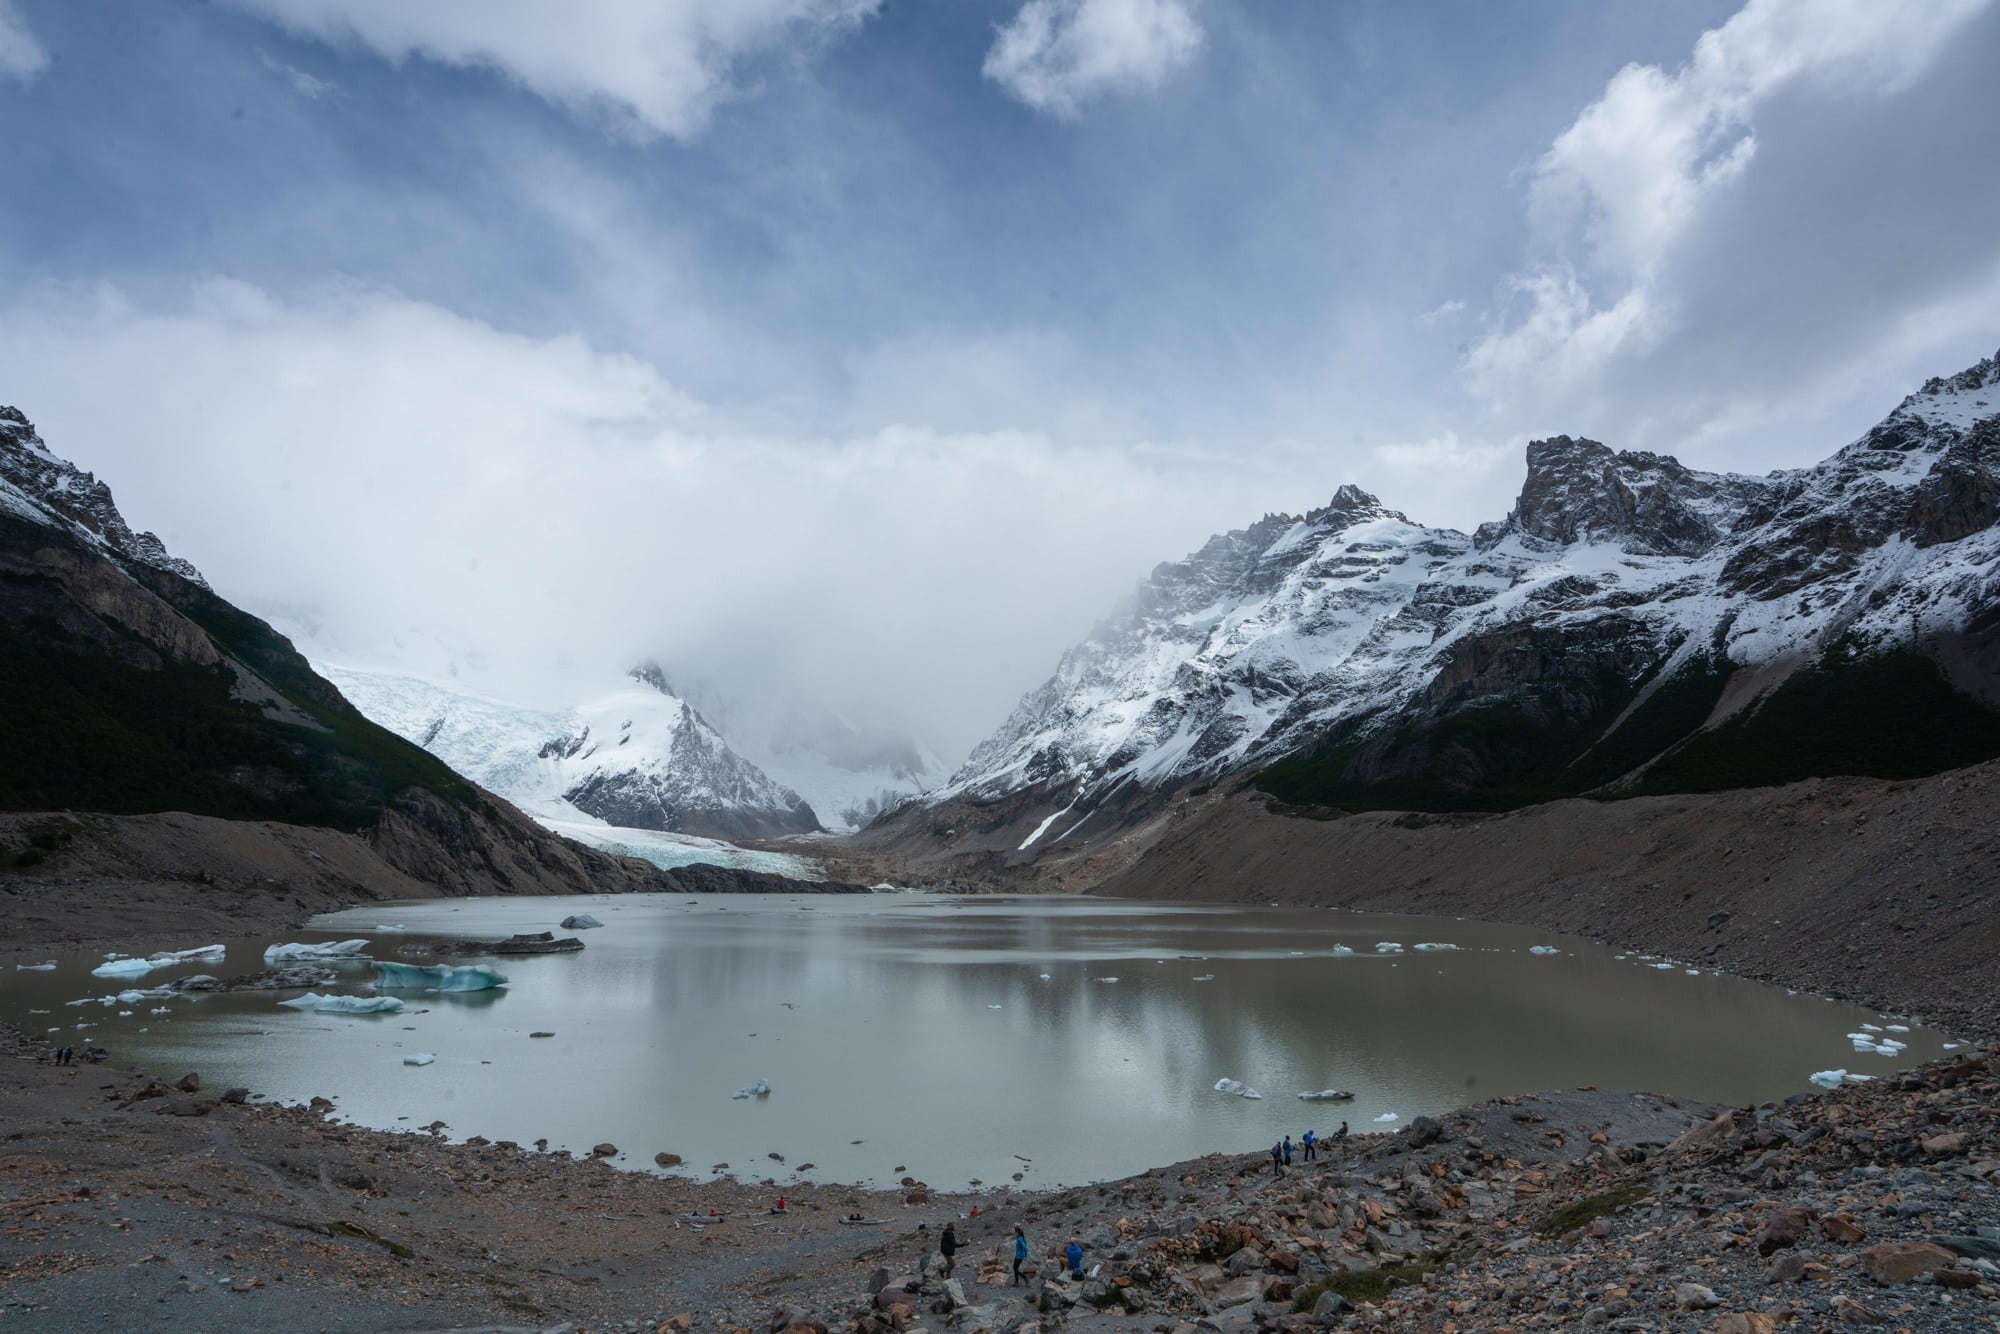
<point x="948" y="1247"/>
<point x="64" y="1056"/>
<point x="1281" y="1152"/>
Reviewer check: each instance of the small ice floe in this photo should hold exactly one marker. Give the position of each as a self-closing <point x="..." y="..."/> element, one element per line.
<point x="1828" y="1079"/>
<point x="1868" y="1042"/>
<point x="1236" y="1088"/>
<point x="323" y="949"/>
<point x="1692" y="972"/>
<point x="437" y="977"/>
<point x="1327" y="1095"/>
<point x="1341" y="949"/>
<point x="992" y="1007"/>
<point x="134" y="997"/>
<point x="1899" y="1028"/>
<point x="1387" y="1117"/>
<point x="1665" y="967"/>
<point x="760" y="1089"/>
<point x="419" y="1058"/>
<point x="124" y="1014"/>
<point x="1388" y="947"/>
<point x="1437" y="945"/>
<point x="1045" y="977"/>
<point x="1104" y="979"/>
<point x="397" y="926"/>
<point x="1870" y="1028"/>
<point x="582" y="921"/>
<point x="1206" y="977"/>
<point x="1548" y="949"/>
<point x="1300" y="954"/>
<point x="48" y="967"/>
<point x="1949" y="1046"/>
<point x="161" y="1009"/>
<point x="319" y="1004"/>
<point x="123" y="968"/>
<point x="199" y="954"/>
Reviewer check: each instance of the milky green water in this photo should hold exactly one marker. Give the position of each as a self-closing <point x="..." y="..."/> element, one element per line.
<point x="965" y="1039"/>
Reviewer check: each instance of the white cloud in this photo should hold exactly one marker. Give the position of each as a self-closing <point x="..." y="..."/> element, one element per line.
<point x="1055" y="55"/>
<point x="21" y="56"/>
<point x="651" y="67"/>
<point x="406" y="488"/>
<point x="308" y="86"/>
<point x="1723" y="242"/>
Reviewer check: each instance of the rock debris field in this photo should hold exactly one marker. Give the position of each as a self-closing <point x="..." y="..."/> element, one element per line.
<point x="128" y="1202"/>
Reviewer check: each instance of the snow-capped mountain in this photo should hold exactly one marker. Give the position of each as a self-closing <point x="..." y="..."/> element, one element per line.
<point x="639" y="757"/>
<point x="1626" y="604"/>
<point x="849" y="771"/>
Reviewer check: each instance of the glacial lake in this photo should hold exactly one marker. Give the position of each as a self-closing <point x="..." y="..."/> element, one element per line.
<point x="963" y="1039"/>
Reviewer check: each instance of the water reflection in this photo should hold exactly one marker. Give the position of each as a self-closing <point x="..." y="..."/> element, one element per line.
<point x="950" y="1036"/>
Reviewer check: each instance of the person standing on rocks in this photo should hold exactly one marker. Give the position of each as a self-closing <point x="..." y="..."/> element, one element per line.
<point x="948" y="1248"/>
<point x="1073" y="1257"/>
<point x="1277" y="1158"/>
<point x="1308" y="1140"/>
<point x="1020" y="1255"/>
<point x="1288" y="1151"/>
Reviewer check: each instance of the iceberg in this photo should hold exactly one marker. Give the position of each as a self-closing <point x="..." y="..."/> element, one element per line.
<point x="760" y="1089"/>
<point x="319" y="1004"/>
<point x="1899" y="1028"/>
<point x="1205" y="977"/>
<point x="1437" y="945"/>
<point x="48" y="967"/>
<point x="324" y="949"/>
<point x="1236" y="1088"/>
<point x="202" y="953"/>
<point x="437" y="977"/>
<point x="419" y="1058"/>
<point x="579" y="922"/>
<point x="1828" y="1079"/>
<point x="1327" y="1095"/>
<point x="1388" y="947"/>
<point x="1548" y="949"/>
<point x="1387" y="1117"/>
<point x="1341" y="949"/>
<point x="123" y="968"/>
<point x="1104" y="979"/>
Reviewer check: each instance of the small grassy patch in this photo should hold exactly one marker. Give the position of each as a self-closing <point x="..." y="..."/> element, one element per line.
<point x="1585" y="1212"/>
<point x="1365" y="1285"/>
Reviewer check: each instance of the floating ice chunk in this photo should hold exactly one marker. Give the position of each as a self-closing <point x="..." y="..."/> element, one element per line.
<point x="1664" y="966"/>
<point x="1236" y="1088"/>
<point x="1889" y="1046"/>
<point x="1104" y="979"/>
<point x="319" y="1004"/>
<point x="579" y="922"/>
<point x="1437" y="945"/>
<point x="1206" y="977"/>
<point x="1953" y="1046"/>
<point x="48" y="967"/>
<point x="1387" y="1117"/>
<point x="1045" y="977"/>
<point x="992" y="1007"/>
<point x="323" y="949"/>
<point x="760" y="1089"/>
<point x="436" y="977"/>
<point x="161" y="1009"/>
<point x="124" y="968"/>
<point x="1828" y="1079"/>
<point x="124" y="1014"/>
<point x="1548" y="949"/>
<point x="419" y="1058"/>
<point x="1899" y="1028"/>
<point x="1341" y="949"/>
<point x="1327" y="1095"/>
<point x="1870" y="1028"/>
<point x="201" y="953"/>
<point x="1692" y="972"/>
<point x="134" y="997"/>
<point x="1388" y="947"/>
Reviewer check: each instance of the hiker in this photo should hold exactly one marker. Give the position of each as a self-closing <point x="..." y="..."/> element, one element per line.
<point x="1342" y="1132"/>
<point x="1020" y="1255"/>
<point x="1308" y="1139"/>
<point x="1073" y="1257"/>
<point x="948" y="1247"/>
<point x="1277" y="1156"/>
<point x="779" y="1207"/>
<point x="1288" y="1151"/>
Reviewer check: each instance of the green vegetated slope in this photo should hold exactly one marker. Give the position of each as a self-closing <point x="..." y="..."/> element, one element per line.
<point x="120" y="728"/>
<point x="1886" y="714"/>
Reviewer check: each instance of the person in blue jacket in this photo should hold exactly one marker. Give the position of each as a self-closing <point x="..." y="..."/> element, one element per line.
<point x="1020" y="1255"/>
<point x="1309" y="1139"/>
<point x="1073" y="1256"/>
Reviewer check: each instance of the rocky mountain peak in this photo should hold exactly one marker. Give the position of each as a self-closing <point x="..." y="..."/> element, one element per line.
<point x="57" y="492"/>
<point x="648" y="673"/>
<point x="1350" y="504"/>
<point x="1578" y="490"/>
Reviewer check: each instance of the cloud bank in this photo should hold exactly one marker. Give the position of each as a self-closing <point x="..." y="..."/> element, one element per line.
<point x="647" y="67"/>
<point x="21" y="56"/>
<point x="1056" y="55"/>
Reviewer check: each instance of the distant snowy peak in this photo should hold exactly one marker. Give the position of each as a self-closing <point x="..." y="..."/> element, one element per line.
<point x="639" y="757"/>
<point x="39" y="486"/>
<point x="1611" y="571"/>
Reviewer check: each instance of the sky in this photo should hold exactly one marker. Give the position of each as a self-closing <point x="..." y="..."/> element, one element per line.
<point x="863" y="354"/>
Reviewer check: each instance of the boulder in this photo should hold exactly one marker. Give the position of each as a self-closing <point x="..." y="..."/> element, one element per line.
<point x="606" y="1150"/>
<point x="1246" y="1261"/>
<point x="582" y="921"/>
<point x="1238" y="1291"/>
<point x="1892" y="1262"/>
<point x="1842" y="1227"/>
<point x="1424" y="1132"/>
<point x="1783" y="1229"/>
<point x="189" y="1083"/>
<point x="1746" y="1322"/>
<point x="668" y="1160"/>
<point x="1695" y="1297"/>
